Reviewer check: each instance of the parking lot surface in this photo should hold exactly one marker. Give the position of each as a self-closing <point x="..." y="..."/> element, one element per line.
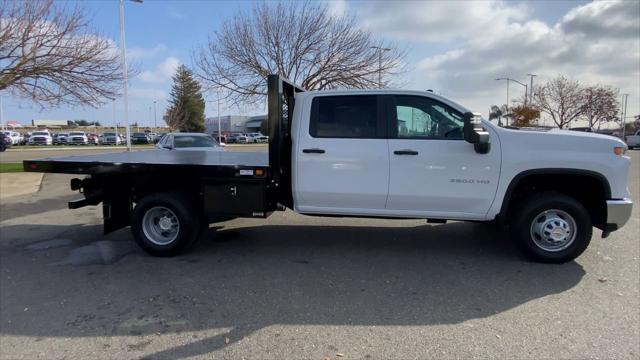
<point x="294" y="286"/>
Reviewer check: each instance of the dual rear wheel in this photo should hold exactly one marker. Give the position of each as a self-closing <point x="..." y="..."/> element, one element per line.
<point x="164" y="224"/>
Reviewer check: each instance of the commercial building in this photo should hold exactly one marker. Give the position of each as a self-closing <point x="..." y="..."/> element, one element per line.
<point x="234" y="123"/>
<point x="46" y="122"/>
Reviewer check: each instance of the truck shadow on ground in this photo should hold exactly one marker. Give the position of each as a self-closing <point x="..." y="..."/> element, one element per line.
<point x="238" y="281"/>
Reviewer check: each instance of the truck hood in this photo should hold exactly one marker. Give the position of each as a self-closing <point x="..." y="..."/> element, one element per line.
<point x="557" y="139"/>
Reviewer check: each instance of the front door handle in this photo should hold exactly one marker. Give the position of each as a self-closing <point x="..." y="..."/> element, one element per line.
<point x="405" y="152"/>
<point x="313" y="151"/>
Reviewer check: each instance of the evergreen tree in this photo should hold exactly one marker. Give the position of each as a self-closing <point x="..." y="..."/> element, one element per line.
<point x="186" y="109"/>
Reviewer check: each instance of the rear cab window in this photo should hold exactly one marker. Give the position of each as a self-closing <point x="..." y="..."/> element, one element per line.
<point x="351" y="116"/>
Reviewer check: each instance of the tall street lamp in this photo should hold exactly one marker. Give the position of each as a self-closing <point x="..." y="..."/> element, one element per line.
<point x="380" y="50"/>
<point x="531" y="88"/>
<point x="525" y="92"/>
<point x="155" y="124"/>
<point x="123" y="58"/>
<point x="219" y="119"/>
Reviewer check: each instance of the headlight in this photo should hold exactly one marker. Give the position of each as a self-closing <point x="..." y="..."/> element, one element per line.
<point x="620" y="150"/>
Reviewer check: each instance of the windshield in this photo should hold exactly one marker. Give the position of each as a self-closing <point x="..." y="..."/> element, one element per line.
<point x="139" y="135"/>
<point x="77" y="134"/>
<point x="40" y="133"/>
<point x="188" y="141"/>
<point x="109" y="134"/>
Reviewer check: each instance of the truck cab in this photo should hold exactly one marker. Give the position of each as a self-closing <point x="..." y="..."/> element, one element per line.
<point x="389" y="153"/>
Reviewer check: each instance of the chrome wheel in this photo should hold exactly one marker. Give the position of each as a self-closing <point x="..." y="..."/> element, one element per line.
<point x="553" y="230"/>
<point x="160" y="225"/>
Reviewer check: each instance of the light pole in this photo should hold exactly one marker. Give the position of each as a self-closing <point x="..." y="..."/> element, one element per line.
<point x="123" y="58"/>
<point x="525" y="93"/>
<point x="380" y="50"/>
<point x="625" y="99"/>
<point x="155" y="124"/>
<point x="531" y="88"/>
<point x="219" y="119"/>
<point x="2" y="114"/>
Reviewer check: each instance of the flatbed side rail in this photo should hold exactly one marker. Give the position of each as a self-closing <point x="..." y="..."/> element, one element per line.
<point x="281" y="101"/>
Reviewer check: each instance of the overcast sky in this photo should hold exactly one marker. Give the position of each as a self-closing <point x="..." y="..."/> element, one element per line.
<point x="456" y="48"/>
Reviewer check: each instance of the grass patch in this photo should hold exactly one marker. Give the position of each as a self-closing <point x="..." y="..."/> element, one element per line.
<point x="10" y="167"/>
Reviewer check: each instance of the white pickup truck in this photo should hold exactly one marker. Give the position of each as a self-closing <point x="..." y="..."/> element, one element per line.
<point x="369" y="153"/>
<point x="633" y="141"/>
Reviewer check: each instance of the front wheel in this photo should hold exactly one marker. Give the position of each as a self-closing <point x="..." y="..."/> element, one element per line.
<point x="165" y="224"/>
<point x="552" y="228"/>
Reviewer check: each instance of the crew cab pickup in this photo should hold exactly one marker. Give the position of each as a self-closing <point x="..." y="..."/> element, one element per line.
<point x="369" y="153"/>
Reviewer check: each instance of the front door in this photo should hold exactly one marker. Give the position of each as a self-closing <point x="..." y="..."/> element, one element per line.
<point x="433" y="171"/>
<point x="342" y="158"/>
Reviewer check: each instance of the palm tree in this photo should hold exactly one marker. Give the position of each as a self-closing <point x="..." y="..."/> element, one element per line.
<point x="496" y="113"/>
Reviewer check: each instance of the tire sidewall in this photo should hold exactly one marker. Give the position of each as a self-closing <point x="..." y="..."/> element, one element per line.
<point x="182" y="208"/>
<point x="547" y="201"/>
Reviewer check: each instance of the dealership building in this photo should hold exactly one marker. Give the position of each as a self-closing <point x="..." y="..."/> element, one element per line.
<point x="234" y="123"/>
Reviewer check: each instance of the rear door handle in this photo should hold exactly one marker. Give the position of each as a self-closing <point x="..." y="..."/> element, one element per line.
<point x="313" y="151"/>
<point x="405" y="152"/>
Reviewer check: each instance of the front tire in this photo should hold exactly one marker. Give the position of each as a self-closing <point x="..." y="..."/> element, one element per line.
<point x="165" y="224"/>
<point x="552" y="228"/>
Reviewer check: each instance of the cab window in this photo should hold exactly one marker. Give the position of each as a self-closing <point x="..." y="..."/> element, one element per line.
<point x="418" y="117"/>
<point x="354" y="116"/>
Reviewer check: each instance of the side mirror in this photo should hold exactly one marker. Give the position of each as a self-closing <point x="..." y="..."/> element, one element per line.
<point x="475" y="134"/>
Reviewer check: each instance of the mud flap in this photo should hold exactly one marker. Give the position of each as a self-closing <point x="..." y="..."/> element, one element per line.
<point x="116" y="213"/>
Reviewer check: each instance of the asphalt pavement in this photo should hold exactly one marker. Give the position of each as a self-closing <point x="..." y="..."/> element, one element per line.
<point x="294" y="286"/>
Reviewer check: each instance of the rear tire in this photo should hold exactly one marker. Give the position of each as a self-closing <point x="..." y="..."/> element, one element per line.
<point x="552" y="228"/>
<point x="165" y="224"/>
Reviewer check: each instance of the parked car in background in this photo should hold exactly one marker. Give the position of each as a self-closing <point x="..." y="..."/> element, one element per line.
<point x="189" y="141"/>
<point x="139" y="138"/>
<point x="153" y="137"/>
<point x="583" y="129"/>
<point x="242" y="139"/>
<point x="25" y="138"/>
<point x="111" y="138"/>
<point x="93" y="139"/>
<point x="77" y="138"/>
<point x="221" y="138"/>
<point x="5" y="141"/>
<point x="60" y="138"/>
<point x="15" y="137"/>
<point x="232" y="138"/>
<point x="633" y="141"/>
<point x="41" y="138"/>
<point x="259" y="138"/>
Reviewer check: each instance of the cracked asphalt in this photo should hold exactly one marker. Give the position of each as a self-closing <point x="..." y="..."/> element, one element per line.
<point x="301" y="287"/>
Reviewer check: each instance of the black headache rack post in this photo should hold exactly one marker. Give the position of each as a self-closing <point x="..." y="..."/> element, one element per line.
<point x="281" y="101"/>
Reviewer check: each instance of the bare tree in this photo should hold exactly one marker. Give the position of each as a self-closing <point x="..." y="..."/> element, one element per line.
<point x="49" y="54"/>
<point x="301" y="41"/>
<point x="560" y="98"/>
<point x="601" y="105"/>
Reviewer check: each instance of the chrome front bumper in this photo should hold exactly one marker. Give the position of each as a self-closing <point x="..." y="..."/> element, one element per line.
<point x="618" y="213"/>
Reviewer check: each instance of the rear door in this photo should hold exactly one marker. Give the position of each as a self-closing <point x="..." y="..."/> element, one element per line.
<point x="433" y="171"/>
<point x="342" y="157"/>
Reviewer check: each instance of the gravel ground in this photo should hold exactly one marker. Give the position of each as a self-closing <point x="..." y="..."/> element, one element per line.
<point x="301" y="287"/>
